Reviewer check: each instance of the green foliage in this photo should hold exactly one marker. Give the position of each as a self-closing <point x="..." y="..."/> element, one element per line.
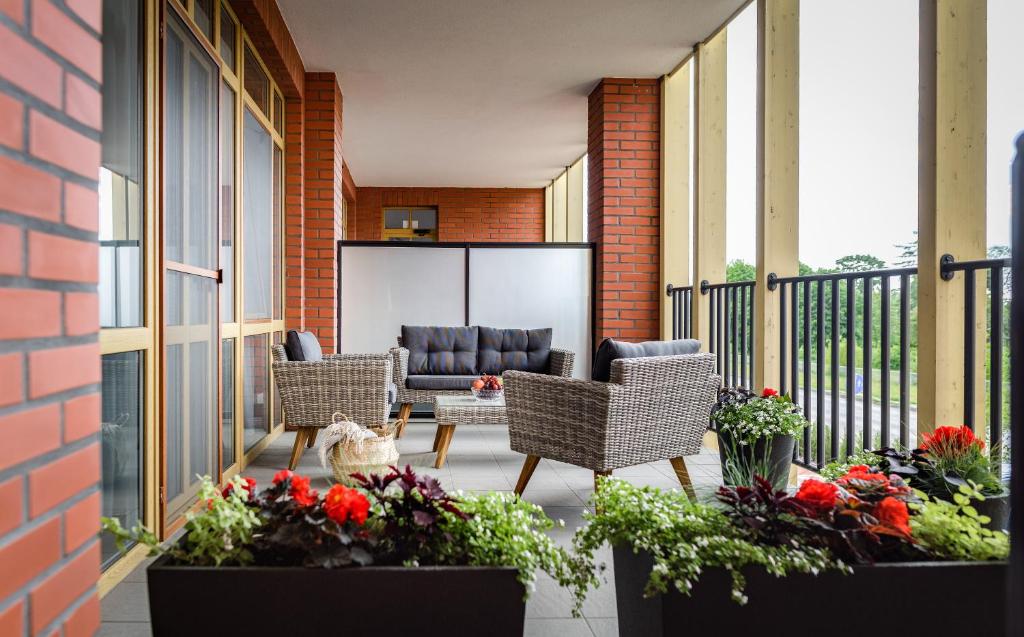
<point x="503" y="530"/>
<point x="220" y="533"/>
<point x="838" y="468"/>
<point x="684" y="538"/>
<point x="740" y="270"/>
<point x="859" y="263"/>
<point x="955" y="530"/>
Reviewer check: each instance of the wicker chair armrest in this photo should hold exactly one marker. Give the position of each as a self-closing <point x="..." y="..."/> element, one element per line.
<point x="546" y="413"/>
<point x="562" y="361"/>
<point x="663" y="370"/>
<point x="399" y="365"/>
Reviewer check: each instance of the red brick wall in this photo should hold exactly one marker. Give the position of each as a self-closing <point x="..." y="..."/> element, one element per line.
<point x="323" y="203"/>
<point x="464" y="214"/>
<point x="49" y="353"/>
<point x="623" y="147"/>
<point x="294" y="215"/>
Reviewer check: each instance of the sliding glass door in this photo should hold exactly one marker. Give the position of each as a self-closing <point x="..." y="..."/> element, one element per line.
<point x="191" y="335"/>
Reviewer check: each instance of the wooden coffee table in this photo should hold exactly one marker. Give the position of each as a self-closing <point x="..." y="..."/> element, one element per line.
<point x="451" y="411"/>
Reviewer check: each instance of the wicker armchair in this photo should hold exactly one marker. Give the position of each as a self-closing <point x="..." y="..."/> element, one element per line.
<point x="654" y="408"/>
<point x="312" y="391"/>
<point x="561" y="363"/>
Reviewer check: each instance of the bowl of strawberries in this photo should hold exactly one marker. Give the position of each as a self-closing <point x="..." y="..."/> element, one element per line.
<point x="487" y="387"/>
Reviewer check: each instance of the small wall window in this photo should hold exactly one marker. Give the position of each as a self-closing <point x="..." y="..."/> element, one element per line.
<point x="257" y="83"/>
<point x="418" y="223"/>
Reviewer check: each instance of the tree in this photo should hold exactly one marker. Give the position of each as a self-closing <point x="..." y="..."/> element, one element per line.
<point x="859" y="263"/>
<point x="739" y="270"/>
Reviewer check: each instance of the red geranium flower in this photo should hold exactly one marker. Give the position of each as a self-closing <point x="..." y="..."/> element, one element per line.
<point x="301" y="493"/>
<point x="341" y="502"/>
<point x="250" y="488"/>
<point x="769" y="392"/>
<point x="951" y="441"/>
<point x="817" y="495"/>
<point x="282" y="475"/>
<point x="893" y="513"/>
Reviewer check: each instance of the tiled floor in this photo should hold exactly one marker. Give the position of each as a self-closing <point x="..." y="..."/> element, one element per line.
<point x="479" y="459"/>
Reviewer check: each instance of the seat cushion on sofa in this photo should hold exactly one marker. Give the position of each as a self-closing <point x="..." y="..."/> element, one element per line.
<point x="302" y="346"/>
<point x="611" y="350"/>
<point x="440" y="350"/>
<point x="425" y="381"/>
<point x="523" y="350"/>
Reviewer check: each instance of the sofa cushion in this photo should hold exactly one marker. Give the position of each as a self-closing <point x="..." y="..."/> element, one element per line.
<point x="302" y="346"/>
<point x="611" y="350"/>
<point x="425" y="381"/>
<point x="521" y="350"/>
<point x="440" y="350"/>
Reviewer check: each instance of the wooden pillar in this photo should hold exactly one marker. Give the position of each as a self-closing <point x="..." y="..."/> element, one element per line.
<point x="778" y="173"/>
<point x="951" y="200"/>
<point x="559" y="199"/>
<point x="574" y="201"/>
<point x="548" y="213"/>
<point x="709" y="222"/>
<point x="675" y="187"/>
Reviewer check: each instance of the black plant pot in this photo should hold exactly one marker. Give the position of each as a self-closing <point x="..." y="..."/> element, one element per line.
<point x="777" y="451"/>
<point x="371" y="600"/>
<point x="996" y="507"/>
<point x="927" y="598"/>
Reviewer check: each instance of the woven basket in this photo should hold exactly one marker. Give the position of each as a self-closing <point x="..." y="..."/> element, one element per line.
<point x="369" y="455"/>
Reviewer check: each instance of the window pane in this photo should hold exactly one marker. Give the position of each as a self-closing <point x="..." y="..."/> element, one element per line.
<point x="120" y="191"/>
<point x="192" y="86"/>
<point x="190" y="387"/>
<point x="278" y="114"/>
<point x="257" y="218"/>
<point x="227" y="40"/>
<point x="278" y="218"/>
<point x="228" y="401"/>
<point x="424" y="219"/>
<point x="121" y="442"/>
<point x="227" y="202"/>
<point x="204" y="17"/>
<point x="278" y="417"/>
<point x="256" y="383"/>
<point x="257" y="84"/>
<point x="396" y="218"/>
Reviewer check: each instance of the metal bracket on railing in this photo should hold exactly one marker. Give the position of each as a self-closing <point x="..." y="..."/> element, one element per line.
<point x="704" y="285"/>
<point x="944" y="272"/>
<point x="773" y="281"/>
<point x="668" y="289"/>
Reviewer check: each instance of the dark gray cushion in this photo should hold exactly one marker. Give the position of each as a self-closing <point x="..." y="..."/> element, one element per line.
<point x="424" y="381"/>
<point x="611" y="350"/>
<point x="440" y="350"/>
<point x="521" y="350"/>
<point x="302" y="346"/>
<point x="392" y="393"/>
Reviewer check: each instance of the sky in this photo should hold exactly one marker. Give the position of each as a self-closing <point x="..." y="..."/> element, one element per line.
<point x="858" y="126"/>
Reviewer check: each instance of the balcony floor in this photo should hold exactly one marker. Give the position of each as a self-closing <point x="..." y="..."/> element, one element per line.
<point x="479" y="459"/>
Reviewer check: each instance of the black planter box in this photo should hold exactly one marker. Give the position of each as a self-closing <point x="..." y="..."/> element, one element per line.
<point x="372" y="600"/>
<point x="919" y="598"/>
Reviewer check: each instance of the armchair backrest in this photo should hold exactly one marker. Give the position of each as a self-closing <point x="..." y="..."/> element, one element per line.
<point x="683" y="370"/>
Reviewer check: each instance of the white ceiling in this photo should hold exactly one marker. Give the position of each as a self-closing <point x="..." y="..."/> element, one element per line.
<point x="483" y="92"/>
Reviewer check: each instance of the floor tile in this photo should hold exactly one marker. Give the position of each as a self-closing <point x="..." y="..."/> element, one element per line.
<point x="556" y="628"/>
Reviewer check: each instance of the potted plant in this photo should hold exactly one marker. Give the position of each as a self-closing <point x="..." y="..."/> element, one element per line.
<point x="949" y="459"/>
<point x="866" y="541"/>
<point x="397" y="555"/>
<point x="756" y="434"/>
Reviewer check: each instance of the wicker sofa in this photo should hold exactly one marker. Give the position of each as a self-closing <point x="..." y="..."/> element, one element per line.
<point x="653" y="408"/>
<point x="357" y="385"/>
<point x="448" y="359"/>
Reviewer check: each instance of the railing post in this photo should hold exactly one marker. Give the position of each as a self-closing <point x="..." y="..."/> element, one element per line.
<point x="1015" y="625"/>
<point x="709" y="223"/>
<point x="778" y="174"/>
<point x="951" y="208"/>
<point x="675" y="187"/>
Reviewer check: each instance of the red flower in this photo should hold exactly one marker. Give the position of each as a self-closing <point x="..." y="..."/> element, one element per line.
<point x="282" y="475"/>
<point x="250" y="488"/>
<point x="301" y="493"/>
<point x="861" y="472"/>
<point x="769" y="392"/>
<point x="817" y="495"/>
<point x="951" y="441"/>
<point x="341" y="502"/>
<point x="859" y="468"/>
<point x="893" y="513"/>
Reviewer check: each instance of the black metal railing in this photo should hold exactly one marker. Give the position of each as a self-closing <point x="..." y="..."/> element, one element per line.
<point x="997" y="296"/>
<point x="731" y="330"/>
<point x="829" y="331"/>
<point x="682" y="304"/>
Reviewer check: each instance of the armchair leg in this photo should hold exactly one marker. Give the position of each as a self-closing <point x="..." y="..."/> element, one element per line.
<point x="311" y="437"/>
<point x="524" y="476"/>
<point x="683" y="474"/>
<point x="300" y="442"/>
<point x="403" y="417"/>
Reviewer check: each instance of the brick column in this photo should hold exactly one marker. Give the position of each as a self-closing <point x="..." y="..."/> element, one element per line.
<point x="50" y="121"/>
<point x="323" y="184"/>
<point x="294" y="216"/>
<point x="623" y="206"/>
